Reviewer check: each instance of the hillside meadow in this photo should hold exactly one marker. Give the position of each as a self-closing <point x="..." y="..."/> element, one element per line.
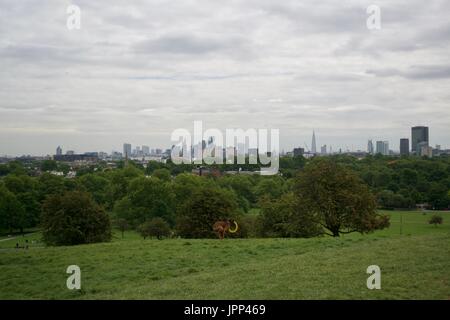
<point x="414" y="258"/>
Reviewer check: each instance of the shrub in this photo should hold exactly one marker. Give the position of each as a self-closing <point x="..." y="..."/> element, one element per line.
<point x="74" y="218"/>
<point x="156" y="227"/>
<point x="436" y="219"/>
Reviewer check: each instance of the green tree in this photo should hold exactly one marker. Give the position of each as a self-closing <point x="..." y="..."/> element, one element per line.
<point x="25" y="190"/>
<point x="147" y="198"/>
<point x="122" y="225"/>
<point x="119" y="182"/>
<point x="156" y="227"/>
<point x="269" y="187"/>
<point x="12" y="213"/>
<point x="74" y="218"/>
<point x="337" y="199"/>
<point x="203" y="209"/>
<point x="162" y="174"/>
<point x="49" y="165"/>
<point x="242" y="185"/>
<point x="284" y="217"/>
<point x="96" y="185"/>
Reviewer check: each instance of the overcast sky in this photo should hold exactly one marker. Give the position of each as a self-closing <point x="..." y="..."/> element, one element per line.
<point x="137" y="70"/>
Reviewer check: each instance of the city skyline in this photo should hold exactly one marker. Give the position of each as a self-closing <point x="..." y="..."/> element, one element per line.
<point x="138" y="73"/>
<point x="419" y="139"/>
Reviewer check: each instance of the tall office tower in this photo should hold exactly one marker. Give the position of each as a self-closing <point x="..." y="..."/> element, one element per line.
<point x="386" y="148"/>
<point x="127" y="150"/>
<point x="58" y="151"/>
<point x="370" y="147"/>
<point x="418" y="135"/>
<point x="145" y="150"/>
<point x="379" y="147"/>
<point x="313" y="143"/>
<point x="323" y="149"/>
<point x="404" y="147"/>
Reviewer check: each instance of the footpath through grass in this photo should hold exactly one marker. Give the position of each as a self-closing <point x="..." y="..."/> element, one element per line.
<point x="414" y="265"/>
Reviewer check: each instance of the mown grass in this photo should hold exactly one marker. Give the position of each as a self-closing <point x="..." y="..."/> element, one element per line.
<point x="414" y="265"/>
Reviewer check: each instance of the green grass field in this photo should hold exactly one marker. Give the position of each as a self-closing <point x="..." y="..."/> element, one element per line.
<point x="414" y="258"/>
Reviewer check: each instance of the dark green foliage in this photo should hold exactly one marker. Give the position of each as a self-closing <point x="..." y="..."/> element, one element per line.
<point x="128" y="195"/>
<point x="203" y="209"/>
<point x="285" y="217"/>
<point x="121" y="224"/>
<point x="156" y="227"/>
<point x="96" y="185"/>
<point x="49" y="165"/>
<point x="436" y="219"/>
<point x="390" y="200"/>
<point x="162" y="174"/>
<point x="337" y="199"/>
<point x="74" y="218"/>
<point x="12" y="213"/>
<point x="146" y="198"/>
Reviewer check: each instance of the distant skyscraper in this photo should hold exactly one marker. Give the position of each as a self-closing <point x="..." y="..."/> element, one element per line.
<point x="127" y="150"/>
<point x="426" y="151"/>
<point x="404" y="147"/>
<point x="419" y="135"/>
<point x="58" y="151"/>
<point x="382" y="147"/>
<point x="323" y="149"/>
<point x="313" y="143"/>
<point x="386" y="148"/>
<point x="379" y="147"/>
<point x="145" y="150"/>
<point x="370" y="147"/>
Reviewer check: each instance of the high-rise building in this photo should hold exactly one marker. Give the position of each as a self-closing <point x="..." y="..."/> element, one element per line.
<point x="382" y="147"/>
<point x="323" y="149"/>
<point x="386" y="148"/>
<point x="313" y="143"/>
<point x="379" y="147"/>
<point x="127" y="150"/>
<point x="370" y="147"/>
<point x="58" y="151"/>
<point x="419" y="134"/>
<point x="145" y="150"/>
<point x="404" y="147"/>
<point x="426" y="150"/>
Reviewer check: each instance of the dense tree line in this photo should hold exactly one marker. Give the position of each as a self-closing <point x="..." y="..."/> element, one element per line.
<point x="168" y="197"/>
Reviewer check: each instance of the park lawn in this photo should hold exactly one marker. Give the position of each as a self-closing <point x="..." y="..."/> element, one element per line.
<point x="414" y="265"/>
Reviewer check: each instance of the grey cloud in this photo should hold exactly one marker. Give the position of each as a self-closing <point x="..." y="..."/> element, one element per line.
<point x="420" y="72"/>
<point x="188" y="44"/>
